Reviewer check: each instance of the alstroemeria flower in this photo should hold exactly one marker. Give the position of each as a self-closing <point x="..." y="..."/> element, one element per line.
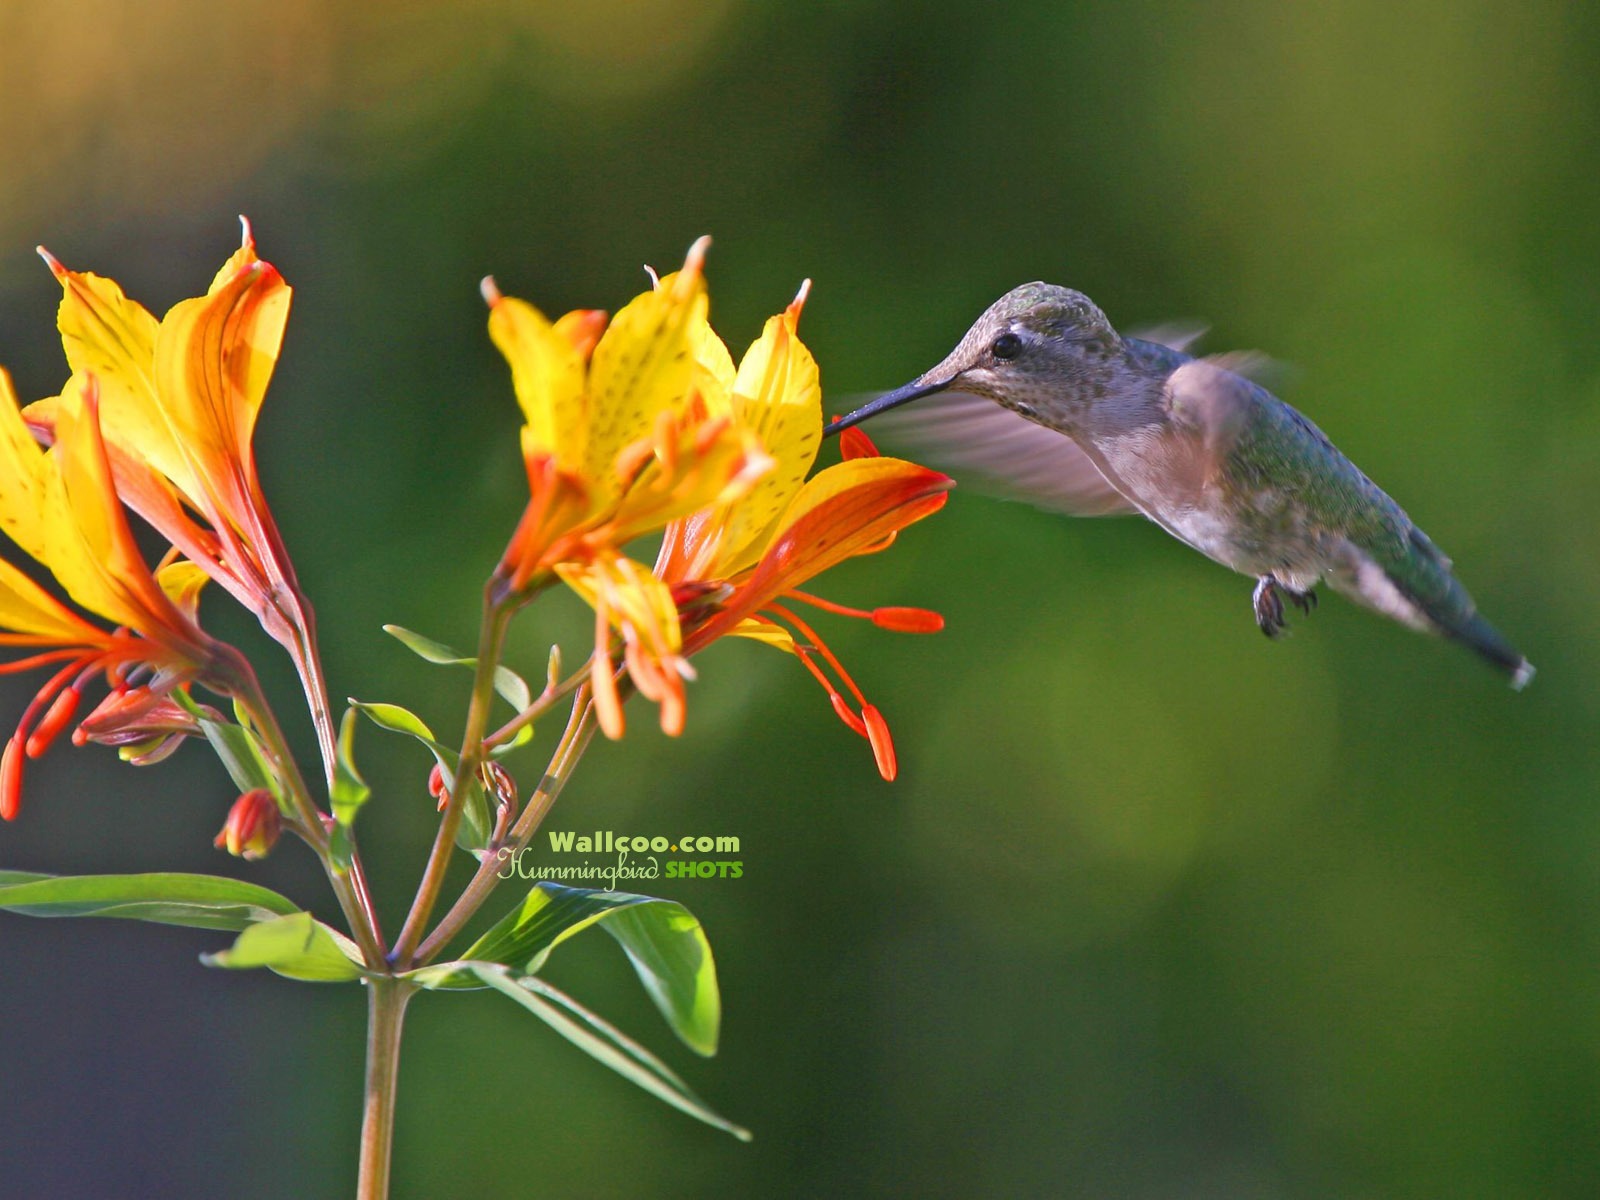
<point x="60" y="507"/>
<point x="618" y="438"/>
<point x="726" y="568"/>
<point x="179" y="399"/>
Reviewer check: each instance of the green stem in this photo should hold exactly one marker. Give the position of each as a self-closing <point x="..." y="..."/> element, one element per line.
<point x="386" y="1010"/>
<point x="581" y="725"/>
<point x="541" y="705"/>
<point x="497" y="615"/>
<point x="348" y="887"/>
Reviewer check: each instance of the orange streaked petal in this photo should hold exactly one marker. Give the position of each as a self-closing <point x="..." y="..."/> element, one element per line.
<point x="854" y="443"/>
<point x="839" y="513"/>
<point x="95" y="556"/>
<point x="214" y="357"/>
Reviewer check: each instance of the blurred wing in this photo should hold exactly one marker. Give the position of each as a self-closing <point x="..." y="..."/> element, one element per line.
<point x="1180" y="335"/>
<point x="999" y="453"/>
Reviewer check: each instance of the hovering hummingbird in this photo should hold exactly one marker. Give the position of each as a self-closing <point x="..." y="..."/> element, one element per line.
<point x="1043" y="400"/>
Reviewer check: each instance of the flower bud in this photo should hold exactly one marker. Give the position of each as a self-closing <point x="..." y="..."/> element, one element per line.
<point x="253" y="825"/>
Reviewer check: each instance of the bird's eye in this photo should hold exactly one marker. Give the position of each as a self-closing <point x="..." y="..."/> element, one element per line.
<point x="1007" y="345"/>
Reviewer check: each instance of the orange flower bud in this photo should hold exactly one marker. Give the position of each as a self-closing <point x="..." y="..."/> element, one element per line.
<point x="253" y="825"/>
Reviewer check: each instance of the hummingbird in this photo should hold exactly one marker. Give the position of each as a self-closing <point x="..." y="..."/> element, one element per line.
<point x="1043" y="400"/>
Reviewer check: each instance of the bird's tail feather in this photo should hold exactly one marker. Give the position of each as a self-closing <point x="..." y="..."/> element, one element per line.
<point x="1477" y="634"/>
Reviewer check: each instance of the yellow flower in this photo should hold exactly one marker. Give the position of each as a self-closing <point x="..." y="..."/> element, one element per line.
<point x="723" y="569"/>
<point x="179" y="398"/>
<point x="61" y="508"/>
<point x="619" y="442"/>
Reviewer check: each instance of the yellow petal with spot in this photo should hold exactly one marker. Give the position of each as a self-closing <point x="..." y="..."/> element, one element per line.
<point x="547" y="374"/>
<point x="643" y="366"/>
<point x="714" y="373"/>
<point x="778" y="396"/>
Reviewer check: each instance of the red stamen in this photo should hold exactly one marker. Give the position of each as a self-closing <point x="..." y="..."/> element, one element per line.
<point x="846" y="713"/>
<point x="908" y="620"/>
<point x="54" y="721"/>
<point x="821" y="648"/>
<point x="882" y="743"/>
<point x="40" y="660"/>
<point x="10" y="780"/>
<point x="607" y="703"/>
<point x="900" y="620"/>
<point x="828" y="605"/>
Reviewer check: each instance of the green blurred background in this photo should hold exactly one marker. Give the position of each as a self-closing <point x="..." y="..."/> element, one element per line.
<point x="1157" y="908"/>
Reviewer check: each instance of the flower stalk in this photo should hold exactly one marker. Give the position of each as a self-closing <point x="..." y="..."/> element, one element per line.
<point x="386" y="1010"/>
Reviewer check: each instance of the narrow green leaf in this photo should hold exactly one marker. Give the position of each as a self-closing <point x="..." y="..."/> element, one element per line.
<point x="603" y="1042"/>
<point x="198" y="901"/>
<point x="475" y="824"/>
<point x="445" y="977"/>
<point x="234" y="745"/>
<point x="7" y="878"/>
<point x="349" y="791"/>
<point x="662" y="939"/>
<point x="513" y="689"/>
<point x="297" y="946"/>
<point x="398" y="720"/>
<point x="347" y="794"/>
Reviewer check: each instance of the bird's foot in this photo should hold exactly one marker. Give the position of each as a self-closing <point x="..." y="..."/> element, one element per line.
<point x="1269" y="606"/>
<point x="1268" y="601"/>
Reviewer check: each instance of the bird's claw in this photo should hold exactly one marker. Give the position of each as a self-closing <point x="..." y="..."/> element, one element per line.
<point x="1268" y="602"/>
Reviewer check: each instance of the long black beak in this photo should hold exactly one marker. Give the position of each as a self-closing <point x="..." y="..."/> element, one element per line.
<point x="914" y="390"/>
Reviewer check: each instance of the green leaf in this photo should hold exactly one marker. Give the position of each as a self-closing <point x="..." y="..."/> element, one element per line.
<point x="670" y="952"/>
<point x="602" y="1041"/>
<point x="297" y="946"/>
<point x="235" y="746"/>
<point x="7" y="878"/>
<point x="198" y="901"/>
<point x="475" y="824"/>
<point x="662" y="939"/>
<point x="348" y="793"/>
<point x="400" y="720"/>
<point x="513" y="689"/>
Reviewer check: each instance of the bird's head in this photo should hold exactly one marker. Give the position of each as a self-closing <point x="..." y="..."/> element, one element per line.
<point x="1039" y="346"/>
